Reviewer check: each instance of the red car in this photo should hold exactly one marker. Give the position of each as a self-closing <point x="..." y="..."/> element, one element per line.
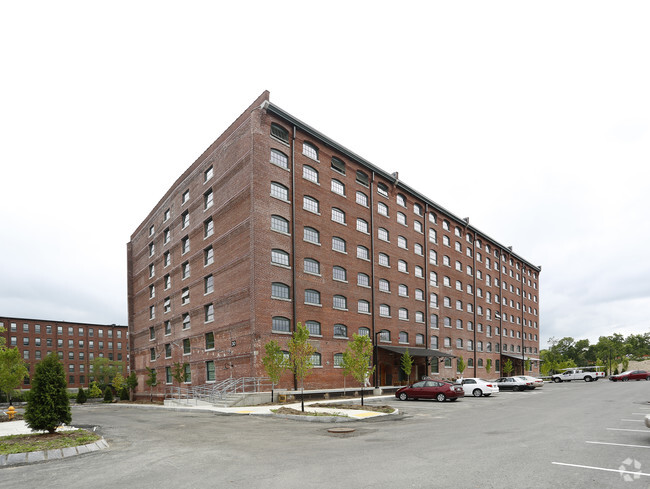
<point x="431" y="389"/>
<point x="631" y="375"/>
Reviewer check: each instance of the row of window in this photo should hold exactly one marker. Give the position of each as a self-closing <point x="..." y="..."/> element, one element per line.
<point x="469" y="345"/>
<point x="49" y="329"/>
<point x="13" y="341"/>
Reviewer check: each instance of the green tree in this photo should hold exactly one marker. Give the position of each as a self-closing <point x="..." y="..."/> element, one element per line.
<point x="3" y="341"/>
<point x="178" y="373"/>
<point x="118" y="382"/>
<point x="488" y="365"/>
<point x="406" y="362"/>
<point x="527" y="364"/>
<point x="12" y="370"/>
<point x="507" y="367"/>
<point x="108" y="394"/>
<point x="104" y="370"/>
<point x="94" y="391"/>
<point x="151" y="381"/>
<point x="356" y="360"/>
<point x="124" y="394"/>
<point x="274" y="363"/>
<point x="461" y="365"/>
<point x="131" y="384"/>
<point x="300" y="353"/>
<point x="81" y="396"/>
<point x="625" y="363"/>
<point x="48" y="405"/>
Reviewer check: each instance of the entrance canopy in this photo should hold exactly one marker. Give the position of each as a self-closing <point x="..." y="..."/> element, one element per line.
<point x="417" y="352"/>
<point x="520" y="357"/>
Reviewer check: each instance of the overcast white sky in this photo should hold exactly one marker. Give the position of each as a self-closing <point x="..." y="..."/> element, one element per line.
<point x="531" y="118"/>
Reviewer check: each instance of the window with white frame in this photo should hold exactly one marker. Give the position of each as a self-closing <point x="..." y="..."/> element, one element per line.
<point x="384" y="285"/>
<point x="340" y="302"/>
<point x="311" y="235"/>
<point x="310" y="204"/>
<point x="310" y="151"/>
<point x="310" y="173"/>
<point x="279" y="224"/>
<point x="338" y="215"/>
<point x="339" y="274"/>
<point x="311" y="266"/>
<point x="363" y="252"/>
<point x="279" y="257"/>
<point x="362" y="199"/>
<point x="279" y="191"/>
<point x="338" y="187"/>
<point x="363" y="280"/>
<point x="338" y="244"/>
<point x="279" y="158"/>
<point x="362" y="225"/>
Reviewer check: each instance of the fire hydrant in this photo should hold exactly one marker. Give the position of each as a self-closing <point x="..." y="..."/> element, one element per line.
<point x="11" y="412"/>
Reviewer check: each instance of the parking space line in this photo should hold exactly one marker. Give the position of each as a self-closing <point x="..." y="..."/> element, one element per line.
<point x="603" y="469"/>
<point x="635" y="420"/>
<point x="640" y="414"/>
<point x="616" y="444"/>
<point x="623" y="429"/>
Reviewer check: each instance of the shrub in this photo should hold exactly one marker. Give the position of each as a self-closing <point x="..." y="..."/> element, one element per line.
<point x="124" y="394"/>
<point x="94" y="390"/>
<point x="108" y="395"/>
<point x="48" y="405"/>
<point x="81" y="396"/>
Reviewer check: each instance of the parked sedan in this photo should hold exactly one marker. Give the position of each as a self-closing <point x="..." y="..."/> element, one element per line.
<point x="631" y="375"/>
<point x="536" y="381"/>
<point x="478" y="387"/>
<point x="430" y="389"/>
<point x="513" y="383"/>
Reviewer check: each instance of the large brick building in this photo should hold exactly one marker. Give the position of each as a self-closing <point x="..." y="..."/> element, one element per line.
<point x="76" y="344"/>
<point x="276" y="224"/>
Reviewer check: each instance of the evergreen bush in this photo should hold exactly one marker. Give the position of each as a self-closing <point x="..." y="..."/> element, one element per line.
<point x="48" y="405"/>
<point x="94" y="390"/>
<point x="124" y="394"/>
<point x="81" y="396"/>
<point x="108" y="395"/>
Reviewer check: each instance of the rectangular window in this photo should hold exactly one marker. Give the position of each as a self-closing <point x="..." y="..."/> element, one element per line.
<point x="209" y="371"/>
<point x="209" y="284"/>
<point x="209" y="341"/>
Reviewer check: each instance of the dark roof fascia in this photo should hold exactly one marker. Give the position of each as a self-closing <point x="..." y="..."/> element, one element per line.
<point x="521" y="357"/>
<point x="416" y="352"/>
<point x="350" y="154"/>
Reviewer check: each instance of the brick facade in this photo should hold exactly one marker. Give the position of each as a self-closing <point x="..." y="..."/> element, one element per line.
<point x="254" y="202"/>
<point x="77" y="345"/>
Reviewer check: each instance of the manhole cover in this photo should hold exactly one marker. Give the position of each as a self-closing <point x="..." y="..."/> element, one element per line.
<point x="341" y="430"/>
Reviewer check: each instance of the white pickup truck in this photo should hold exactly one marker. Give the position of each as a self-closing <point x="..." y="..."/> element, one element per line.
<point x="586" y="374"/>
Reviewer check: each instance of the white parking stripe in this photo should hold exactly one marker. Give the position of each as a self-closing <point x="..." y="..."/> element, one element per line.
<point x="640" y="414"/>
<point x="622" y="429"/>
<point x="601" y="468"/>
<point x="616" y="444"/>
<point x="635" y="420"/>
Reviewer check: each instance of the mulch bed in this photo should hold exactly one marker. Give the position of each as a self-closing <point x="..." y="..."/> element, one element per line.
<point x="4" y="418"/>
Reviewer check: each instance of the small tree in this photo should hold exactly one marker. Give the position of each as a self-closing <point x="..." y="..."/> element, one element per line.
<point x="151" y="381"/>
<point x="94" y="391"/>
<point x="118" y="382"/>
<point x="507" y="367"/>
<point x="3" y="341"/>
<point x="300" y="352"/>
<point x="131" y="384"/>
<point x="124" y="394"/>
<point x="527" y="365"/>
<point x="488" y="365"/>
<point x="178" y="373"/>
<point x="274" y="363"/>
<point x="108" y="394"/>
<point x="81" y="396"/>
<point x="48" y="405"/>
<point x="356" y="359"/>
<point x="625" y="363"/>
<point x="407" y="365"/>
<point x="461" y="365"/>
<point x="12" y="370"/>
<point x="104" y="370"/>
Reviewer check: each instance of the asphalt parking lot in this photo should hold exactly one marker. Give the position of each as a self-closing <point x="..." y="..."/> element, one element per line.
<point x="570" y="435"/>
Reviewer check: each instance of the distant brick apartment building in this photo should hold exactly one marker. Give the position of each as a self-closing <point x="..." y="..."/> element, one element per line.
<point x="276" y="224"/>
<point x="76" y="344"/>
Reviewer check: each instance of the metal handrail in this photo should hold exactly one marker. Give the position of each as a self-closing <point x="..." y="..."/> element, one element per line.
<point x="213" y="393"/>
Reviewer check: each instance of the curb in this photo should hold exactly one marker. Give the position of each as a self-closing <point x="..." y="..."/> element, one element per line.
<point x="45" y="455"/>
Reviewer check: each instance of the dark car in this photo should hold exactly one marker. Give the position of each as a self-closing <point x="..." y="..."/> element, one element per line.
<point x="631" y="375"/>
<point x="431" y="389"/>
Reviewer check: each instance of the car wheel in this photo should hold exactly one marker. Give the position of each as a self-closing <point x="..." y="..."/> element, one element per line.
<point x="516" y="388"/>
<point x="403" y="397"/>
<point x="477" y="393"/>
<point x="441" y="397"/>
<point x="647" y="378"/>
<point x="557" y="380"/>
<point x="625" y="379"/>
<point x="588" y="379"/>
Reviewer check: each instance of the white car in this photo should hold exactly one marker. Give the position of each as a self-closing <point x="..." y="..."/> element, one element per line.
<point x="478" y="387"/>
<point x="536" y="381"/>
<point x="647" y="420"/>
<point x="514" y="383"/>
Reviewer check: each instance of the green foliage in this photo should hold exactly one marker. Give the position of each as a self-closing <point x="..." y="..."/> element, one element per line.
<point x="300" y="352"/>
<point x="105" y="370"/>
<point x="48" y="406"/>
<point x="406" y="362"/>
<point x="178" y="372"/>
<point x="488" y="365"/>
<point x="527" y="364"/>
<point x="3" y="341"/>
<point x="507" y="367"/>
<point x="625" y="363"/>
<point x="461" y="365"/>
<point x="131" y="382"/>
<point x="94" y="391"/>
<point x="616" y="372"/>
<point x="81" y="396"/>
<point x="273" y="361"/>
<point x="118" y="382"/>
<point x="151" y="380"/>
<point x="108" y="394"/>
<point x="124" y="394"/>
<point x="356" y="360"/>
<point x="12" y="370"/>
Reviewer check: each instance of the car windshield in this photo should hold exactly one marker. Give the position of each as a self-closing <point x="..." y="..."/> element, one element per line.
<point x="626" y="372"/>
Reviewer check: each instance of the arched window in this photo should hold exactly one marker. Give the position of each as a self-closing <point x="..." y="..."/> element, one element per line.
<point x="279" y="257"/>
<point x="338" y="215"/>
<point x="311" y="235"/>
<point x="279" y="191"/>
<point x="364" y="332"/>
<point x="340" y="274"/>
<point x="280" y="133"/>
<point x="384" y="335"/>
<point x="363" y="306"/>
<point x="434" y="342"/>
<point x="382" y="189"/>
<point x="384" y="310"/>
<point x="313" y="327"/>
<point x="310" y="173"/>
<point x="401" y="200"/>
<point x="310" y="204"/>
<point x="338" y="187"/>
<point x="279" y="158"/>
<point x="338" y="244"/>
<point x="340" y="331"/>
<point x="281" y="325"/>
<point x="363" y="252"/>
<point x="310" y="151"/>
<point x="362" y="178"/>
<point x="338" y="165"/>
<point x="384" y="285"/>
<point x="316" y="360"/>
<point x="338" y="360"/>
<point x="279" y="290"/>
<point x="403" y="337"/>
<point x="340" y="302"/>
<point x="279" y="224"/>
<point x="419" y="339"/>
<point x="403" y="314"/>
<point x="311" y="266"/>
<point x="312" y="297"/>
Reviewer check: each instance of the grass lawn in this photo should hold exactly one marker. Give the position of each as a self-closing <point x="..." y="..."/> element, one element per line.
<point x="45" y="441"/>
